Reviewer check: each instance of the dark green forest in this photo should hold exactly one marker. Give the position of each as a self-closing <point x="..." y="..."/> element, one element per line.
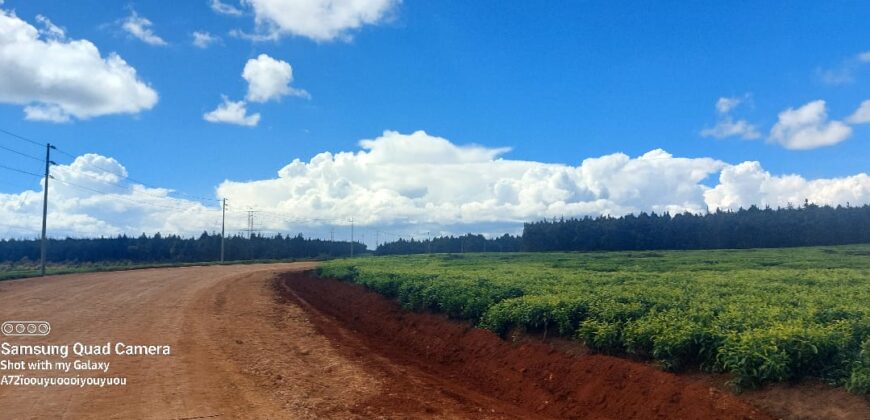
<point x="158" y="248"/>
<point x="452" y="244"/>
<point x="807" y="225"/>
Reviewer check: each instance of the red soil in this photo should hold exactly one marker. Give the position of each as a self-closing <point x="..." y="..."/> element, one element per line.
<point x="515" y="379"/>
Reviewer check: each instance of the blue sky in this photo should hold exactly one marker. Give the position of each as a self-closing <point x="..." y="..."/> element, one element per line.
<point x="557" y="82"/>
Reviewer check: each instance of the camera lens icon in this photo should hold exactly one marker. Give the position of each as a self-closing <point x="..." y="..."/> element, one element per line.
<point x="25" y="328"/>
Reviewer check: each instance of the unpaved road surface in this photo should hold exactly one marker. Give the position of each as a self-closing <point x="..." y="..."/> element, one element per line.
<point x="221" y="323"/>
<point x="237" y="352"/>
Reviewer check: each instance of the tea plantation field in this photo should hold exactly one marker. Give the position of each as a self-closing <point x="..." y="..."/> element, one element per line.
<point x="762" y="314"/>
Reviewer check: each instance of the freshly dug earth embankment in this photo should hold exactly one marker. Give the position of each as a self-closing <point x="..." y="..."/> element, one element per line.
<point x="530" y="377"/>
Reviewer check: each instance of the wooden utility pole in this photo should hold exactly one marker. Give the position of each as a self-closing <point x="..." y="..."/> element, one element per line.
<point x="48" y="163"/>
<point x="223" y="226"/>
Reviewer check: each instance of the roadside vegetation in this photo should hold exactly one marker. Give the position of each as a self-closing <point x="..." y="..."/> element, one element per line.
<point x="764" y="315"/>
<point x="26" y="269"/>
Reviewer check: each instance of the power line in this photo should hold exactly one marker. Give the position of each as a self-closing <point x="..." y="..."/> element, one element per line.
<point x="19" y="137"/>
<point x="9" y="168"/>
<point x="72" y="156"/>
<point x="131" y="179"/>
<point x="97" y="191"/>
<point x="29" y="156"/>
<point x="122" y="197"/>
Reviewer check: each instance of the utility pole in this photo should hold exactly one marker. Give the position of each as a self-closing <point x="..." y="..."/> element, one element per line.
<point x="351" y="237"/>
<point x="223" y="226"/>
<point x="48" y="163"/>
<point x="428" y="243"/>
<point x="331" y="239"/>
<point x="250" y="224"/>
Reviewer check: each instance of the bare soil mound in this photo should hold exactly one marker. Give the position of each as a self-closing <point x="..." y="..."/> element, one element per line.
<point x="531" y="376"/>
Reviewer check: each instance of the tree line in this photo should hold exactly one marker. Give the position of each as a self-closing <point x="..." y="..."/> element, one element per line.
<point x="173" y="248"/>
<point x="452" y="244"/>
<point x="806" y="225"/>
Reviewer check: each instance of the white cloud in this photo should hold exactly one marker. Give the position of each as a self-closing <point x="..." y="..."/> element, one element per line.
<point x="747" y="183"/>
<point x="50" y="30"/>
<point x="861" y="115"/>
<point x="269" y="79"/>
<point x="49" y="113"/>
<point x="727" y="127"/>
<point x="320" y="20"/>
<point x="808" y="127"/>
<point x="203" y="39"/>
<point x="90" y="197"/>
<point x="224" y="9"/>
<point x="422" y="179"/>
<point x="230" y="112"/>
<point x="725" y="104"/>
<point x="57" y="79"/>
<point x="140" y="28"/>
<point x="845" y="73"/>
<point x="416" y="182"/>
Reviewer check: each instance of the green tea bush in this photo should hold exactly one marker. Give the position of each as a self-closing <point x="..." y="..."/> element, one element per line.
<point x="762" y="315"/>
<point x="859" y="381"/>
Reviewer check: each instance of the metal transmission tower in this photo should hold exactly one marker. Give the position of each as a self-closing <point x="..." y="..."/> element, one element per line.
<point x="351" y="237"/>
<point x="48" y="164"/>
<point x="331" y="239"/>
<point x="250" y="224"/>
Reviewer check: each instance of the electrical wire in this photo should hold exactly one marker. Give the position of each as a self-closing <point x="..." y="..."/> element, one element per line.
<point x="17" y="152"/>
<point x="9" y="168"/>
<point x="131" y="179"/>
<point x="19" y="137"/>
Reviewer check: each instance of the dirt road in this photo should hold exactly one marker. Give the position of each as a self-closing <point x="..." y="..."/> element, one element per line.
<point x="237" y="352"/>
<point x="222" y="324"/>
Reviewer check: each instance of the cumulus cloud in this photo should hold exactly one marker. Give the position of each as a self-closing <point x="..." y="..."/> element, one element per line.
<point x="90" y="197"/>
<point x="225" y="9"/>
<point x="418" y="182"/>
<point x="726" y="126"/>
<point x="423" y="179"/>
<point x="808" y="127"/>
<point x="230" y="112"/>
<point x="749" y="184"/>
<point x="57" y="79"/>
<point x="269" y="79"/>
<point x="862" y="114"/>
<point x="202" y="39"/>
<point x="320" y="20"/>
<point x="140" y="28"/>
